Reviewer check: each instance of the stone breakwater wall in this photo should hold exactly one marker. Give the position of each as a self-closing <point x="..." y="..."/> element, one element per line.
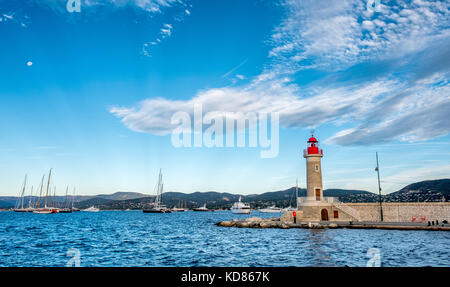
<point x="256" y="222"/>
<point x="392" y="212"/>
<point x="403" y="211"/>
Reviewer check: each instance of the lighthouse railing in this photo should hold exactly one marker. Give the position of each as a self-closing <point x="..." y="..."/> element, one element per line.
<point x="328" y="199"/>
<point x="305" y="152"/>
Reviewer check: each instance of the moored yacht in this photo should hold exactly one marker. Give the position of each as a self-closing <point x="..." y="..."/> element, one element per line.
<point x="240" y="207"/>
<point x="203" y="208"/>
<point x="91" y="209"/>
<point x="271" y="209"/>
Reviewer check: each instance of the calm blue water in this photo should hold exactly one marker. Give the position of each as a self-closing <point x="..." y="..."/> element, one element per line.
<point x="132" y="238"/>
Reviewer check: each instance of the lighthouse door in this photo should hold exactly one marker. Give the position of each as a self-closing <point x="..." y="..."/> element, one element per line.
<point x="324" y="215"/>
<point x="318" y="194"/>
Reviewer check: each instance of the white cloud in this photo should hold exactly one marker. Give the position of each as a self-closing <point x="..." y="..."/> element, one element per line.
<point x="334" y="35"/>
<point x="166" y="31"/>
<point x="337" y="34"/>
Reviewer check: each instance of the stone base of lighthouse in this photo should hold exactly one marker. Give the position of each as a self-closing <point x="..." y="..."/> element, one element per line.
<point x="317" y="211"/>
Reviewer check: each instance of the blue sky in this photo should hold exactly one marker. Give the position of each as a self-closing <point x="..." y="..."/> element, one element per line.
<point x="96" y="99"/>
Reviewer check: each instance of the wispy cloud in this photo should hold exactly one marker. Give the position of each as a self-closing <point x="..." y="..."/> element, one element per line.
<point x="337" y="34"/>
<point x="334" y="36"/>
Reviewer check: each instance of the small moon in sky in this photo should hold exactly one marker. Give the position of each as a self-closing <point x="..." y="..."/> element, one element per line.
<point x="29" y="63"/>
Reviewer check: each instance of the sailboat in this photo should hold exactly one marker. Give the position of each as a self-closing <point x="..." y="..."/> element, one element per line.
<point x="66" y="209"/>
<point x="158" y="207"/>
<point x="73" y="199"/>
<point x="19" y="204"/>
<point x="290" y="208"/>
<point x="178" y="209"/>
<point x="45" y="209"/>
<point x="30" y="207"/>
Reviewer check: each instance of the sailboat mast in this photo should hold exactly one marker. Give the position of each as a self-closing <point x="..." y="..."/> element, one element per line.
<point x="73" y="197"/>
<point x="31" y="197"/>
<point x="48" y="186"/>
<point x="40" y="193"/>
<point x="66" y="202"/>
<point x="159" y="189"/>
<point x="23" y="190"/>
<point x="296" y="193"/>
<point x="54" y="197"/>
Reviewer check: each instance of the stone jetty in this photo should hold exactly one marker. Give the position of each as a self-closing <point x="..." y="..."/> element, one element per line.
<point x="275" y="222"/>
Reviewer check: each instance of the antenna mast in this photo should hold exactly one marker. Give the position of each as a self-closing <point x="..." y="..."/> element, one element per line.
<point x="377" y="169"/>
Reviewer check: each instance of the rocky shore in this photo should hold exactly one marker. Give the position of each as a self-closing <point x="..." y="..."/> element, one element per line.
<point x="275" y="222"/>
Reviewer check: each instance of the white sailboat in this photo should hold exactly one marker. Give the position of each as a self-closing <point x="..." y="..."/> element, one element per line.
<point x="179" y="208"/>
<point x="19" y="203"/>
<point x="290" y="208"/>
<point x="240" y="207"/>
<point x="45" y="209"/>
<point x="158" y="207"/>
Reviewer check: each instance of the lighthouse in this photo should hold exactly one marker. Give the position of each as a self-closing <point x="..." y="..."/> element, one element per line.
<point x="313" y="155"/>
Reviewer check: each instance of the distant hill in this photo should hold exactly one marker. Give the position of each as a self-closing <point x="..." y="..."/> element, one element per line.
<point x="218" y="200"/>
<point x="122" y="195"/>
<point x="428" y="190"/>
<point x="424" y="191"/>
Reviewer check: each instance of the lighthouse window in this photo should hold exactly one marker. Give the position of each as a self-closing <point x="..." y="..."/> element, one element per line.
<point x="317" y="167"/>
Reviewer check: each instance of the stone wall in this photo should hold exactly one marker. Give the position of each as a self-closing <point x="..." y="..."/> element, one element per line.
<point x="392" y="212"/>
<point x="404" y="211"/>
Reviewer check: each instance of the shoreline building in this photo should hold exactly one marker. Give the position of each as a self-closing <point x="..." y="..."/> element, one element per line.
<point x="316" y="207"/>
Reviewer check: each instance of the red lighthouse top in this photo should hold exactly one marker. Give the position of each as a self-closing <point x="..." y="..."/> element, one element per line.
<point x="313" y="147"/>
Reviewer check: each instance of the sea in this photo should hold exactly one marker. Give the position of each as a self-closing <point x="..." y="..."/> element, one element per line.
<point x="134" y="238"/>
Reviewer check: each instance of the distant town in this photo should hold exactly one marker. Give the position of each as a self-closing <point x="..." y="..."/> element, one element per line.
<point x="424" y="191"/>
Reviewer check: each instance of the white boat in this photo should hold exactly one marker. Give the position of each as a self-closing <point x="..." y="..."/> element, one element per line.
<point x="240" y="207"/>
<point x="203" y="208"/>
<point x="290" y="208"/>
<point x="271" y="209"/>
<point x="91" y="209"/>
<point x="45" y="210"/>
<point x="178" y="209"/>
<point x="158" y="207"/>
